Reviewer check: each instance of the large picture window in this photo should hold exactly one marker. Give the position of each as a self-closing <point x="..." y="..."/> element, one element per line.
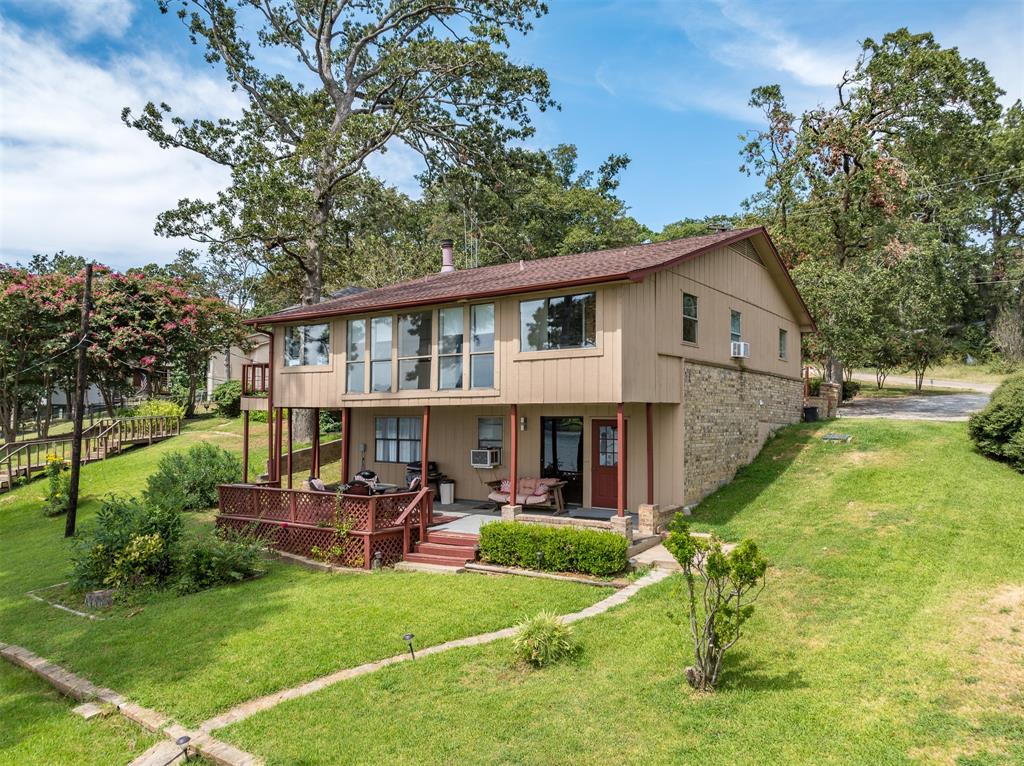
<point x="564" y="321"/>
<point x="481" y="347"/>
<point x="398" y="440"/>
<point x="355" y="367"/>
<point x="450" y="332"/>
<point x="689" y="318"/>
<point x="307" y="345"/>
<point x="380" y="354"/>
<point x="414" y="335"/>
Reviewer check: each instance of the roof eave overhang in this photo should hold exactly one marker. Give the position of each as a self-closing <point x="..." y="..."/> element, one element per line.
<point x="393" y="305"/>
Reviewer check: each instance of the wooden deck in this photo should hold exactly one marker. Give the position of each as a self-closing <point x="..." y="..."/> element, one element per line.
<point x="25" y="459"/>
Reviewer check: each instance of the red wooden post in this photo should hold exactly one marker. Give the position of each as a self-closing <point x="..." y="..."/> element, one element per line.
<point x="290" y="443"/>
<point x="314" y="466"/>
<point x="513" y="465"/>
<point x="346" y="440"/>
<point x="245" y="447"/>
<point x="620" y="418"/>
<point x="278" y="428"/>
<point x="271" y="472"/>
<point x="424" y="456"/>
<point x="650" y="454"/>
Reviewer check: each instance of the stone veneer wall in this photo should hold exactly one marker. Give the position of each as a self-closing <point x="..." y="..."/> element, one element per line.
<point x="728" y="416"/>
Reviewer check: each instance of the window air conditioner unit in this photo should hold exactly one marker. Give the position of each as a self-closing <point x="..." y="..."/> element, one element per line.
<point x="485" y="458"/>
<point x="739" y="349"/>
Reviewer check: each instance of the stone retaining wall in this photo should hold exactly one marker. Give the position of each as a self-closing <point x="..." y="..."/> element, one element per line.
<point x="729" y="413"/>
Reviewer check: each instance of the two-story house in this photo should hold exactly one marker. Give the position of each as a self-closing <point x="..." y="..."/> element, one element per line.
<point x="638" y="375"/>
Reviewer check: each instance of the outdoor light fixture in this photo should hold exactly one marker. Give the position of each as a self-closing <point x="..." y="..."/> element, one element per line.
<point x="181" y="742"/>
<point x="522" y="423"/>
<point x="540" y="559"/>
<point x="408" y="639"/>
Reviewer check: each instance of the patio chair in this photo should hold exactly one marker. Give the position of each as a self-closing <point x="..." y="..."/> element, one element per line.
<point x="532" y="493"/>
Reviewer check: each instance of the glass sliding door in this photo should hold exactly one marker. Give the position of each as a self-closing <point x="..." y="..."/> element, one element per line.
<point x="562" y="454"/>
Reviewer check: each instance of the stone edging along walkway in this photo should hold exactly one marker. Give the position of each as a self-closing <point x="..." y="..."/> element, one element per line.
<point x="258" y="705"/>
<point x="228" y="755"/>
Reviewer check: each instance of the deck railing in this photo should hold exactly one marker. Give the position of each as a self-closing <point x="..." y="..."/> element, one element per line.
<point x="352" y="530"/>
<point x="255" y="378"/>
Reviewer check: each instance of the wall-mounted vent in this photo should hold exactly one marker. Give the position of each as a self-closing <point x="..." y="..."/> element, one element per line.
<point x="747" y="250"/>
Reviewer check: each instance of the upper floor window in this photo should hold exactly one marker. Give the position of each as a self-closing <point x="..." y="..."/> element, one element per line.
<point x="414" y="336"/>
<point x="449" y="347"/>
<point x="563" y="321"/>
<point x="735" y="327"/>
<point x="783" y="339"/>
<point x="481" y="346"/>
<point x="355" y="368"/>
<point x="380" y="354"/>
<point x="307" y="345"/>
<point x="689" y="318"/>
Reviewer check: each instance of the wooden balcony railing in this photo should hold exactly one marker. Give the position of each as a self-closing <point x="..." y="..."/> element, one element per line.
<point x="255" y="378"/>
<point x="350" y="530"/>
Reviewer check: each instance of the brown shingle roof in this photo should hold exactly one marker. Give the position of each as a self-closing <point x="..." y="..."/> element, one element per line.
<point x="632" y="262"/>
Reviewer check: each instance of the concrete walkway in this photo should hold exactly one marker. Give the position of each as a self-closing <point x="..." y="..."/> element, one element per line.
<point x="947" y="407"/>
<point x="247" y="709"/>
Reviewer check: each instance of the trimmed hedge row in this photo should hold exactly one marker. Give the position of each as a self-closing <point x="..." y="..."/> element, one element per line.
<point x="565" y="549"/>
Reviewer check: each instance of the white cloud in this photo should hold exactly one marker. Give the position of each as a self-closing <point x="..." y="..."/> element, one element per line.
<point x="86" y="18"/>
<point x="73" y="176"/>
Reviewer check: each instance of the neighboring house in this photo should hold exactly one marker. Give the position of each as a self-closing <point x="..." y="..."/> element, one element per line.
<point x="638" y="375"/>
<point x="223" y="367"/>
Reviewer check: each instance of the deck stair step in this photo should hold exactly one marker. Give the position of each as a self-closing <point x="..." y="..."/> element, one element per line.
<point x="445" y="549"/>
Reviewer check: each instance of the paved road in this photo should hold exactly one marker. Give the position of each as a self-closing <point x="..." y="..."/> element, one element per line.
<point x="933" y="407"/>
<point x="908" y="380"/>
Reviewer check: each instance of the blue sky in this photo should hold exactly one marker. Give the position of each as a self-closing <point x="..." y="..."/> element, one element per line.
<point x="664" y="82"/>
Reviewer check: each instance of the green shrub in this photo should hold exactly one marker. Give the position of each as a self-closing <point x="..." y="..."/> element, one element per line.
<point x="228" y="398"/>
<point x="543" y="639"/>
<point x="130" y="545"/>
<point x="850" y="389"/>
<point x="998" y="430"/>
<point x="563" y="549"/>
<point x="187" y="481"/>
<point x="159" y="408"/>
<point x="330" y="422"/>
<point x="260" y="416"/>
<point x="58" y="494"/>
<point x="218" y="559"/>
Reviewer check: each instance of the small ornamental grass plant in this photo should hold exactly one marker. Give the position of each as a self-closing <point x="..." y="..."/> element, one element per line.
<point x="542" y="640"/>
<point x="187" y="481"/>
<point x="721" y="589"/>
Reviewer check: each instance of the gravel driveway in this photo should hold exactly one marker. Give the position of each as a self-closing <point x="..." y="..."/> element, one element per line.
<point x="937" y="407"/>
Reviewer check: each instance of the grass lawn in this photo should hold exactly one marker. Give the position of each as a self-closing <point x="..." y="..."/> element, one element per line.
<point x="38" y="727"/>
<point x="196" y="656"/>
<point x="891" y="632"/>
<point x="893" y="391"/>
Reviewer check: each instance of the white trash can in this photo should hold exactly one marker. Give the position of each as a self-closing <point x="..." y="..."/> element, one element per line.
<point x="447" y="492"/>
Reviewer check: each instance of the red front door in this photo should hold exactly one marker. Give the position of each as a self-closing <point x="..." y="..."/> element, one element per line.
<point x="604" y="464"/>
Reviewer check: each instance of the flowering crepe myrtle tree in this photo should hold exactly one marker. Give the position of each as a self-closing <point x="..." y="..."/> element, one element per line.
<point x="37" y="334"/>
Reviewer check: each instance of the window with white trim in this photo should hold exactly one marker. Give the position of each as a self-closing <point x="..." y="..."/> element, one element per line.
<point x="380" y="354"/>
<point x="414" y="336"/>
<point x="481" y="346"/>
<point x="783" y="342"/>
<point x="450" y="331"/>
<point x="307" y="345"/>
<point x="355" y="357"/>
<point x="689" y="318"/>
<point x="735" y="326"/>
<point x="398" y="440"/>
